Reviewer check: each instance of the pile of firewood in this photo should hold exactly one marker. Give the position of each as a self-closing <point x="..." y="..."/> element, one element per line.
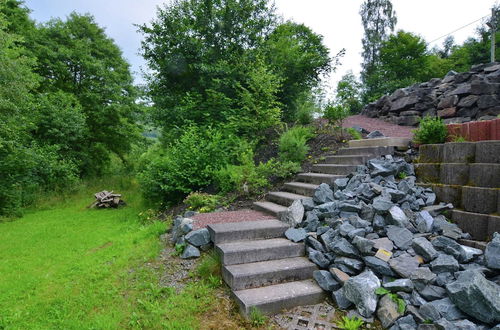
<point x="106" y="199"/>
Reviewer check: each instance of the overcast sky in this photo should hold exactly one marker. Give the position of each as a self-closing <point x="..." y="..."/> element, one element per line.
<point x="337" y="20"/>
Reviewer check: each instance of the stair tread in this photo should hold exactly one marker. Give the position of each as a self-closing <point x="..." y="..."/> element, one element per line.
<point x="246" y="225"/>
<point x="334" y="165"/>
<point x="325" y="175"/>
<point x="262" y="267"/>
<point x="302" y="184"/>
<point x="278" y="292"/>
<point x="287" y="195"/>
<point x="271" y="206"/>
<point x="254" y="245"/>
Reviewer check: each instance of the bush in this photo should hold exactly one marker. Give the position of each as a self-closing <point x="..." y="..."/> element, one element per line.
<point x="335" y="114"/>
<point x="202" y="202"/>
<point x="292" y="144"/>
<point x="248" y="178"/>
<point x="431" y="130"/>
<point x="188" y="164"/>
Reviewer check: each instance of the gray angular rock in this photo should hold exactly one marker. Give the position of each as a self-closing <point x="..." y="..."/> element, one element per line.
<point x="397" y="217"/>
<point x="311" y="222"/>
<point x="448" y="246"/>
<point x="354" y="264"/>
<point x="444" y="263"/>
<point x="323" y="194"/>
<point x="424" y="248"/>
<point x="429" y="312"/>
<point x="416" y="299"/>
<point x="308" y="203"/>
<point x="315" y="244"/>
<point x="360" y="290"/>
<point x="341" y="247"/>
<point x="432" y="292"/>
<point x="345" y="228"/>
<point x="401" y="237"/>
<point x="405" y="323"/>
<point x="378" y="266"/>
<point x="340" y="299"/>
<point x="378" y="222"/>
<point x="365" y="246"/>
<point x="198" y="237"/>
<point x="348" y="207"/>
<point x="424" y="222"/>
<point x="447" y="309"/>
<point x="444" y="278"/>
<point x="340" y="184"/>
<point x="296" y="234"/>
<point x="381" y="167"/>
<point x="325" y="280"/>
<point x="382" y="205"/>
<point x="404" y="265"/>
<point x="387" y="311"/>
<point x="404" y="285"/>
<point x="190" y="252"/>
<point x="476" y="296"/>
<point x="318" y="258"/>
<point x="468" y="254"/>
<point x="422" y="276"/>
<point x="436" y="210"/>
<point x="383" y="243"/>
<point x="294" y="214"/>
<point x="492" y="252"/>
<point x="375" y="134"/>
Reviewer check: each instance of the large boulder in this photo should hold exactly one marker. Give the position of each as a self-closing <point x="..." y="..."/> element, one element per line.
<point x="360" y="290"/>
<point x="323" y="194"/>
<point x="476" y="296"/>
<point x="294" y="214"/>
<point x="492" y="252"/>
<point x="198" y="237"/>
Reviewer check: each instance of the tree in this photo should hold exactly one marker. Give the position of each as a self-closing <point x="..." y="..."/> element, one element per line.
<point x="205" y="65"/>
<point x="76" y="57"/>
<point x="348" y="93"/>
<point x="379" y="19"/>
<point x="300" y="58"/>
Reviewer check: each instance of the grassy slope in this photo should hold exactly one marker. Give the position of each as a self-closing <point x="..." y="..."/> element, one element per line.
<point x="67" y="267"/>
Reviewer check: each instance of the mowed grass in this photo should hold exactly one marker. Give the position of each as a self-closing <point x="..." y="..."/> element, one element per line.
<point x="64" y="266"/>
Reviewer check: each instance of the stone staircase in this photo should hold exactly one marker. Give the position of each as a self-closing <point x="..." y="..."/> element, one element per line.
<point x="466" y="174"/>
<point x="264" y="269"/>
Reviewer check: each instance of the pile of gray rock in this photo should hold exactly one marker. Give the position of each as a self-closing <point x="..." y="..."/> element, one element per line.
<point x="457" y="98"/>
<point x="378" y="229"/>
<point x="189" y="240"/>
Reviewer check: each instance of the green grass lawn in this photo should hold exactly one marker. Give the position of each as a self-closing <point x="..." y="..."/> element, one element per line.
<point x="63" y="266"/>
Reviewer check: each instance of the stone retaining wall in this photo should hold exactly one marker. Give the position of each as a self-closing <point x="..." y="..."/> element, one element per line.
<point x="475" y="131"/>
<point x="466" y="174"/>
<point x="457" y="98"/>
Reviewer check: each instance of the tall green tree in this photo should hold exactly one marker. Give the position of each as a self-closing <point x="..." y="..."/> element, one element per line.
<point x="348" y="93"/>
<point x="77" y="58"/>
<point x="206" y="67"/>
<point x="379" y="20"/>
<point x="300" y="58"/>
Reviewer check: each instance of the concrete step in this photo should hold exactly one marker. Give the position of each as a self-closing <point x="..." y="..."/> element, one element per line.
<point x="275" y="298"/>
<point x="246" y="230"/>
<point x="264" y="273"/>
<point x="269" y="207"/>
<point x="318" y="178"/>
<point x="283" y="198"/>
<point x="242" y="252"/>
<point x="334" y="169"/>
<point x="480" y="226"/>
<point x="381" y="142"/>
<point x="370" y="151"/>
<point x="347" y="159"/>
<point x="301" y="188"/>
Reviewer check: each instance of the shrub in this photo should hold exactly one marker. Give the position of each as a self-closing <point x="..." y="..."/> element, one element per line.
<point x="336" y="114"/>
<point x="350" y="323"/>
<point x="292" y="144"/>
<point x="188" y="164"/>
<point x="354" y="133"/>
<point x="431" y="130"/>
<point x="202" y="202"/>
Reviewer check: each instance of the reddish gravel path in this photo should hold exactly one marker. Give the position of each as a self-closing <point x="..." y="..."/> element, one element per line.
<point x="203" y="219"/>
<point x="372" y="124"/>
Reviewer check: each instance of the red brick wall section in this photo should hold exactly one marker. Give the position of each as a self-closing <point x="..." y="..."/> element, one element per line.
<point x="475" y="130"/>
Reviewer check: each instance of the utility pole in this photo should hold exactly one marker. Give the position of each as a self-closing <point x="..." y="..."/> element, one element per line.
<point x="493" y="27"/>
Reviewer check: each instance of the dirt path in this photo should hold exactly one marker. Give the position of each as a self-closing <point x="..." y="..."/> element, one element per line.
<point x="372" y="124"/>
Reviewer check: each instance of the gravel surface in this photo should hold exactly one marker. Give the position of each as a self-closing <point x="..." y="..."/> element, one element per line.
<point x="203" y="219"/>
<point x="372" y="124"/>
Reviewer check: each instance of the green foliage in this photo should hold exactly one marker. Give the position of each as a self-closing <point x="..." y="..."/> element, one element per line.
<point x="210" y="268"/>
<point x="170" y="173"/>
<point x="348" y="93"/>
<point x="458" y="138"/>
<point x="293" y="143"/>
<point x="431" y="130"/>
<point x="335" y="114"/>
<point x="402" y="175"/>
<point x="300" y="58"/>
<point x="348" y="323"/>
<point x="256" y="317"/>
<point x="354" y="133"/>
<point x="305" y="108"/>
<point x="179" y="248"/>
<point x="202" y="202"/>
<point x="394" y="297"/>
<point x="248" y="178"/>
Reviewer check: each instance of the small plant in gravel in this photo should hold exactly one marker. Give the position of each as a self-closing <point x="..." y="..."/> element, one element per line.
<point x="257" y="318"/>
<point x="354" y="134"/>
<point x="350" y="323"/>
<point x="458" y="138"/>
<point x="431" y="130"/>
<point x="402" y="175"/>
